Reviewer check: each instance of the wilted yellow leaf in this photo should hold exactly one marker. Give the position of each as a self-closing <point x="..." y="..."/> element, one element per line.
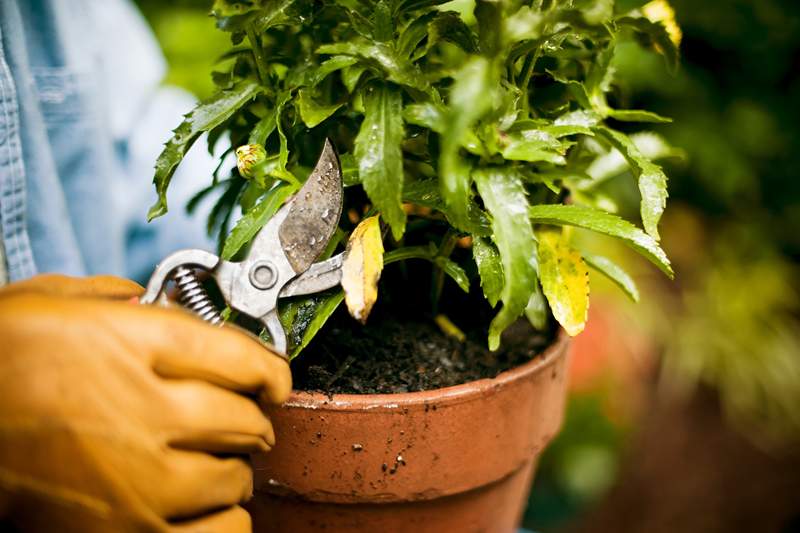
<point x="565" y="280"/>
<point x="361" y="269"/>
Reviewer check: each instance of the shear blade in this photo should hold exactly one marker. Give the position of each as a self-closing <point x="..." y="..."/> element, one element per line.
<point x="314" y="212"/>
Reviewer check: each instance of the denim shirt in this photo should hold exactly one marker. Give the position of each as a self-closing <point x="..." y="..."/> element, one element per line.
<point x="82" y="120"/>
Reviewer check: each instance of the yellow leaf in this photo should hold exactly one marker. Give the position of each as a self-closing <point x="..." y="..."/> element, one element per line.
<point x="361" y="270"/>
<point x="565" y="280"/>
<point x="661" y="11"/>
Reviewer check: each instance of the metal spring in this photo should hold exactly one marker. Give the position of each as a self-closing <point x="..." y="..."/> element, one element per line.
<point x="194" y="297"/>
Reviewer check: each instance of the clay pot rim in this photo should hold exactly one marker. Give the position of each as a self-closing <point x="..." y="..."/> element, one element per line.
<point x="424" y="399"/>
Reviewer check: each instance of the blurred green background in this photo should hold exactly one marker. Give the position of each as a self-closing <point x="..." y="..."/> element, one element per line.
<point x="684" y="413"/>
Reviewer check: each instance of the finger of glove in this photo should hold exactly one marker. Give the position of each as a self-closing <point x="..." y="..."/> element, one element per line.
<point x="90" y="287"/>
<point x="184" y="347"/>
<point x="208" y="418"/>
<point x="195" y="483"/>
<point x="231" y="520"/>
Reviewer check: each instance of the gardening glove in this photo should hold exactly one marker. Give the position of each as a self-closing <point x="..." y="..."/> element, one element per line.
<point x="120" y="417"/>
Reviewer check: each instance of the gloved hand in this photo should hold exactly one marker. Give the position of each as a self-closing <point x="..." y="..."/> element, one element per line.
<point x="111" y="413"/>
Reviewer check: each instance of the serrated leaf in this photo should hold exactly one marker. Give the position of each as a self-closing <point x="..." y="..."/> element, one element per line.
<point x="652" y="180"/>
<point x="490" y="269"/>
<point x="384" y="57"/>
<point x="379" y="154"/>
<point x="613" y="272"/>
<point x="253" y="220"/>
<point x="504" y="195"/>
<point x="613" y="163"/>
<point x="206" y="116"/>
<point x="606" y="223"/>
<point x="565" y="281"/>
<point x="312" y="112"/>
<point x="361" y="268"/>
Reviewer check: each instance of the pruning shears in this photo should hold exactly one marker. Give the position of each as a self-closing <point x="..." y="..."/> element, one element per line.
<point x="280" y="262"/>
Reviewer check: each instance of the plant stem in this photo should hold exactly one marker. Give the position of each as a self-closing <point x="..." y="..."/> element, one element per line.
<point x="258" y="53"/>
<point x="446" y="248"/>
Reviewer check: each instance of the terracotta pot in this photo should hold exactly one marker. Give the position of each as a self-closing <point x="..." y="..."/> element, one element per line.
<point x="455" y="459"/>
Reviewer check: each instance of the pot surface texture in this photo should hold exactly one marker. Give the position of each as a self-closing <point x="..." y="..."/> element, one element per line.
<point x="457" y="459"/>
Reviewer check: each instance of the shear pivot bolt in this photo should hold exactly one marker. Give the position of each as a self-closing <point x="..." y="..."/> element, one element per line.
<point x="263" y="275"/>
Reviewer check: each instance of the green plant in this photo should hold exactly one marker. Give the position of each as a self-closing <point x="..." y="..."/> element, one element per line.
<point x="477" y="120"/>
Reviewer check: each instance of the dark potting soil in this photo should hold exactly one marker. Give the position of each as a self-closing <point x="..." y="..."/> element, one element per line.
<point x="390" y="356"/>
<point x="401" y="349"/>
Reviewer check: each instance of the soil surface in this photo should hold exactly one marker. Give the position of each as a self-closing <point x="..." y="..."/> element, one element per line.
<point x="401" y="349"/>
<point x="390" y="356"/>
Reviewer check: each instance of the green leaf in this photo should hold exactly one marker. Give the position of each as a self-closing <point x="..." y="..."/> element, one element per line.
<point x="283" y="154"/>
<point x="565" y="281"/>
<point x="414" y="33"/>
<point x="379" y="154"/>
<point x="490" y="15"/>
<point x="426" y="193"/>
<point x="349" y="166"/>
<point x="381" y="56"/>
<point x="312" y="112"/>
<point x="490" y="269"/>
<point x="637" y="115"/>
<point x="613" y="272"/>
<point x="351" y="75"/>
<point x="206" y="116"/>
<point x="606" y="223"/>
<point x="652" y="180"/>
<point x="382" y="23"/>
<point x="304" y="318"/>
<point x="534" y="148"/>
<point x="455" y="272"/>
<point x="315" y="75"/>
<point x="448" y="26"/>
<point x="277" y="12"/>
<point x="470" y="98"/>
<point x="262" y="130"/>
<point x="537" y="310"/>
<point x="252" y="221"/>
<point x="504" y="195"/>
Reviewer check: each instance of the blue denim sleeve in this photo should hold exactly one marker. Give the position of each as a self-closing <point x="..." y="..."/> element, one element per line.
<point x="82" y="117"/>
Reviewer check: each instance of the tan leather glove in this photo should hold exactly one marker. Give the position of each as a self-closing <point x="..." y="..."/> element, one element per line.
<point x="111" y="413"/>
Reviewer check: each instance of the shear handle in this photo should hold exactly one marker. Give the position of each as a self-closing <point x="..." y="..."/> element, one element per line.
<point x="161" y="274"/>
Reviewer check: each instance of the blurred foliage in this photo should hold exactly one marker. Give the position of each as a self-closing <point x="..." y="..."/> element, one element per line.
<point x="190" y="41"/>
<point x="579" y="465"/>
<point x="733" y="323"/>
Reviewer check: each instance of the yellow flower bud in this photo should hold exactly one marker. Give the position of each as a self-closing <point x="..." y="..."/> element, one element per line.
<point x="248" y="157"/>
